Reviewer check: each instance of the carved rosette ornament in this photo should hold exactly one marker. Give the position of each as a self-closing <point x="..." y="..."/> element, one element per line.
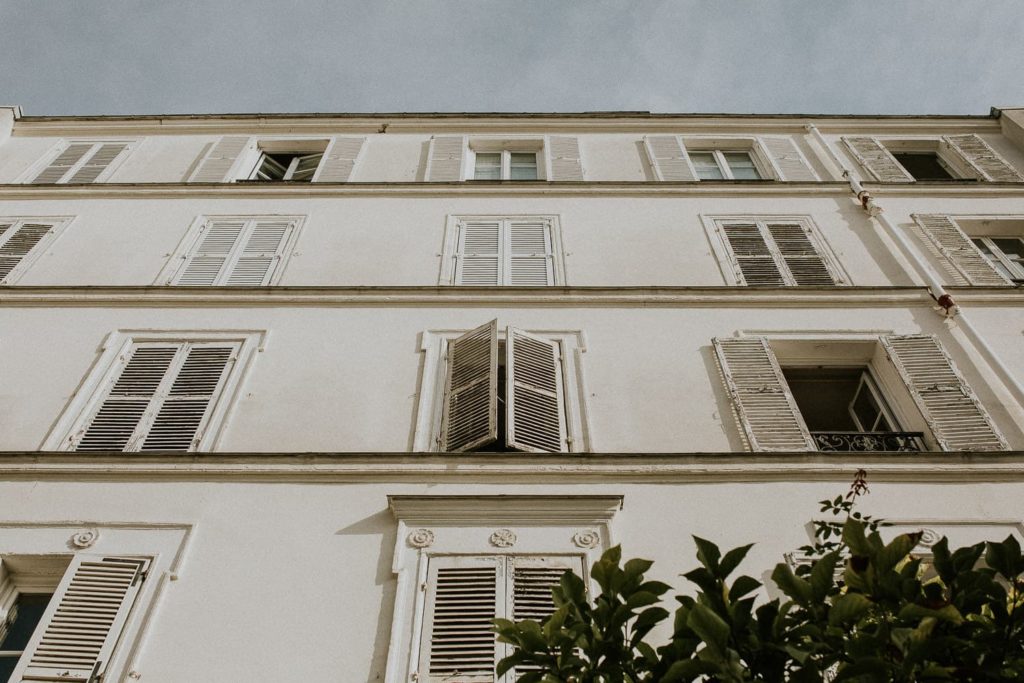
<point x="503" y="538"/>
<point x="929" y="537"/>
<point x="85" y="538"/>
<point x="421" y="538"/>
<point x="586" y="539"/>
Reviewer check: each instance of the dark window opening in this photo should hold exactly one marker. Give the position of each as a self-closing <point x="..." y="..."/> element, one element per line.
<point x="287" y="166"/>
<point x="924" y="165"/>
<point x="499" y="446"/>
<point x="27" y="612"/>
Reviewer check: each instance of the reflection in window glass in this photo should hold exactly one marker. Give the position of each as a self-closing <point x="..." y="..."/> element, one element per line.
<point x="523" y="166"/>
<point x="27" y="611"/>
<point x="706" y="166"/>
<point x="488" y="166"/>
<point x="742" y="166"/>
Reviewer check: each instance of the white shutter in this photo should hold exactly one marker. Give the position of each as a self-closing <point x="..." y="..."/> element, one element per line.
<point x="532" y="581"/>
<point x="789" y="163"/>
<point x="479" y="252"/>
<point x="8" y="598"/>
<point x="219" y="160"/>
<point x="339" y="160"/>
<point x="65" y="161"/>
<point x="877" y="160"/>
<point x="564" y="153"/>
<point x="753" y="261"/>
<point x="799" y="254"/>
<point x="530" y="253"/>
<point x="98" y="162"/>
<point x="534" y="395"/>
<point x="763" y="402"/>
<point x="208" y="263"/>
<point x="983" y="159"/>
<point x="236" y="252"/>
<point x="85" y="617"/>
<point x="261" y="252"/>
<point x="17" y="239"/>
<point x="959" y="250"/>
<point x="470" y="418"/>
<point x="668" y="158"/>
<point x="444" y="158"/>
<point x="952" y="411"/>
<point x="463" y="595"/>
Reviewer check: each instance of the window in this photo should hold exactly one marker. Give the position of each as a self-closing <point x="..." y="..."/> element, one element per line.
<point x="716" y="164"/>
<point x="235" y="157"/>
<point x="505" y="165"/>
<point x="950" y="157"/>
<point x="82" y="162"/>
<point x="518" y="251"/>
<point x="1005" y="254"/>
<point x="924" y="165"/>
<point x="773" y="252"/>
<point x="692" y="157"/>
<point x="454" y="158"/>
<point x="21" y="241"/>
<point x="286" y="166"/>
<point x="233" y="251"/>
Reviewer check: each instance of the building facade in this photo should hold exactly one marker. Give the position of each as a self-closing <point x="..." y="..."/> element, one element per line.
<point x="313" y="397"/>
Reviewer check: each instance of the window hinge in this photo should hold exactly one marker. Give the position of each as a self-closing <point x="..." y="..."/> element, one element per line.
<point x="423" y="587"/>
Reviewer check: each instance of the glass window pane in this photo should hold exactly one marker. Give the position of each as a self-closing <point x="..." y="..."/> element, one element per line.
<point x="488" y="166"/>
<point x="706" y="166"/>
<point x="306" y="167"/>
<point x="524" y="166"/>
<point x="273" y="166"/>
<point x="742" y="166"/>
<point x="992" y="258"/>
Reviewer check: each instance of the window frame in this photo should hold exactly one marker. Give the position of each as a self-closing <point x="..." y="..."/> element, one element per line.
<point x="1015" y="269"/>
<point x="947" y="157"/>
<point x="249" y="160"/>
<point x="59" y="148"/>
<point x="718" y="146"/>
<point x="57" y="226"/>
<point x="506" y="146"/>
<point x="450" y="247"/>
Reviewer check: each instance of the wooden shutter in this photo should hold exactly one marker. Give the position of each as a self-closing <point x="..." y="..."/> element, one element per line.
<point x="531" y="253"/>
<point x="8" y="598"/>
<point x="463" y="595"/>
<point x="532" y="581"/>
<point x="84" y="620"/>
<point x="534" y="395"/>
<point x="236" y="252"/>
<point x="668" y="158"/>
<point x="799" y="254"/>
<point x="208" y="264"/>
<point x="339" y="160"/>
<point x="59" y="167"/>
<point x="564" y="153"/>
<point x="952" y="411"/>
<point x="983" y="159"/>
<point x="785" y="156"/>
<point x="17" y="239"/>
<point x="470" y="417"/>
<point x="753" y="260"/>
<point x="877" y="160"/>
<point x="444" y="158"/>
<point x="763" y="402"/>
<point x="98" y="162"/>
<point x="959" y="250"/>
<point x="261" y="252"/>
<point x="219" y="160"/>
<point x="478" y="254"/>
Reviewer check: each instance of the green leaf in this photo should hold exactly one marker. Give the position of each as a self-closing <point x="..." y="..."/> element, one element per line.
<point x="897" y="549"/>
<point x="708" y="554"/>
<point x="847" y="608"/>
<point x="853" y="537"/>
<point x="733" y="558"/>
<point x="873" y="668"/>
<point x="948" y="613"/>
<point x="792" y="585"/>
<point x="711" y="628"/>
<point x="742" y="586"/>
<point x="823" y="575"/>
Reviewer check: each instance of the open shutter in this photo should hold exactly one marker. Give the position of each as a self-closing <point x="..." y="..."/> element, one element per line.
<point x="789" y="163"/>
<point x="98" y="162"/>
<point x="60" y="166"/>
<point x="261" y="252"/>
<point x="184" y="409"/>
<point x="764" y="404"/>
<point x="753" y="261"/>
<point x="531" y="257"/>
<point x="339" y="160"/>
<point x="84" y="620"/>
<point x="444" y="158"/>
<point x="877" y="160"/>
<point x="806" y="266"/>
<point x="216" y="164"/>
<point x="16" y="241"/>
<point x="983" y="159"/>
<point x="463" y="595"/>
<point x="959" y="250"/>
<point x="470" y="417"/>
<point x="952" y="411"/>
<point x="668" y="158"/>
<point x="8" y="598"/>
<point x="209" y="262"/>
<point x="564" y="153"/>
<point x="534" y="395"/>
<point x="478" y="255"/>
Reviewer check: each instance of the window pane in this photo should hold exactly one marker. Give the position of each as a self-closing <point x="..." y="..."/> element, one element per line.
<point x="488" y="166"/>
<point x="306" y="167"/>
<point x="867" y="410"/>
<point x="705" y="165"/>
<point x="1013" y="249"/>
<point x="742" y="166"/>
<point x="28" y="610"/>
<point x="524" y="166"/>
<point x="823" y="396"/>
<point x="993" y="259"/>
<point x="273" y="166"/>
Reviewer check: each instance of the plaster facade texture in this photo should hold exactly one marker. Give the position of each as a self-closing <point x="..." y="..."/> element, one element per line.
<point x="294" y="532"/>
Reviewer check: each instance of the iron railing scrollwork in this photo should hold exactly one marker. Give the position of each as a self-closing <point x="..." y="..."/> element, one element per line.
<point x="844" y="442"/>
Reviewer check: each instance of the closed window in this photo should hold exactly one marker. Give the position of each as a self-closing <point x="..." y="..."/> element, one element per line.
<point x="519" y="251"/>
<point x="505" y="165"/>
<point x="455" y="158"/>
<point x="1005" y="254"/>
<point x="717" y="164"/>
<point x="82" y="162"/>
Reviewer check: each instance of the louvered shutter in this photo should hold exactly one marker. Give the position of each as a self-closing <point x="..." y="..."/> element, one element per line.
<point x="219" y="160"/>
<point x="952" y="411"/>
<point x="463" y="595"/>
<point x="98" y="162"/>
<point x="752" y="259"/>
<point x="8" y="598"/>
<point x="877" y="160"/>
<point x="763" y="402"/>
<point x="84" y="620"/>
<point x="470" y="417"/>
<point x="17" y="239"/>
<point x="209" y="262"/>
<point x="236" y="252"/>
<point x="564" y="153"/>
<point x="534" y="395"/>
<point x="959" y="250"/>
<point x="532" y="581"/>
<point x="478" y="256"/>
<point x="59" y="167"/>
<point x="983" y="159"/>
<point x="445" y="158"/>
<point x="806" y="266"/>
<point x="787" y="160"/>
<point x="668" y="158"/>
<point x="261" y="252"/>
<point x="531" y="255"/>
<point x="339" y="160"/>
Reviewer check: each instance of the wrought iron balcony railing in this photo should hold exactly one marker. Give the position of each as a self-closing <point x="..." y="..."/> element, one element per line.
<point x="868" y="441"/>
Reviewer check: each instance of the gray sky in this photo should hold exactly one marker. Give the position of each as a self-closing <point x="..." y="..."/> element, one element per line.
<point x="767" y="56"/>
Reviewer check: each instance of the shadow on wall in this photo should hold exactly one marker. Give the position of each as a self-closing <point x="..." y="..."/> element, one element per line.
<point x="725" y="414"/>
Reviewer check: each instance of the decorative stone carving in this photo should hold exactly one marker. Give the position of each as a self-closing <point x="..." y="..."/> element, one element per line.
<point x="503" y="538"/>
<point x="929" y="537"/>
<point x="85" y="538"/>
<point x="421" y="538"/>
<point x="586" y="539"/>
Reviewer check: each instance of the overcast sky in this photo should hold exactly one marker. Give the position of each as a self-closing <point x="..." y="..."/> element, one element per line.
<point x="761" y="56"/>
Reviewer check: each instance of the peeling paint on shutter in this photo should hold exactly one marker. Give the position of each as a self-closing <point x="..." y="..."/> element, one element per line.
<point x="806" y="266"/>
<point x="261" y="252"/>
<point x="877" y="160"/>
<point x="789" y="163"/>
<point x="17" y="239"/>
<point x="84" y="620"/>
<point x="478" y="255"/>
<point x="98" y="162"/>
<point x="444" y="158"/>
<point x="339" y="160"/>
<point x="204" y="267"/>
<point x="764" y="404"/>
<point x="956" y="417"/>
<point x="532" y="581"/>
<point x="535" y="398"/>
<point x="983" y="159"/>
<point x="59" y="167"/>
<point x="216" y="164"/>
<point x="470" y="417"/>
<point x="668" y="158"/>
<point x="753" y="261"/>
<point x="958" y="249"/>
<point x="531" y="256"/>
<point x="564" y="153"/>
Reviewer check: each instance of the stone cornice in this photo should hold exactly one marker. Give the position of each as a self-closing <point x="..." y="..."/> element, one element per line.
<point x="988" y="296"/>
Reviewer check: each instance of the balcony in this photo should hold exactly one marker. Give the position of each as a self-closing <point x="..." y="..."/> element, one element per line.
<point x="850" y="442"/>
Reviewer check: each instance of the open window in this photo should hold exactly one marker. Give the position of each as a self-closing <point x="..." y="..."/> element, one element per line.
<point x="977" y="250"/>
<point x="271" y="160"/>
<point x="287" y="160"/>
<point x="946" y="158"/>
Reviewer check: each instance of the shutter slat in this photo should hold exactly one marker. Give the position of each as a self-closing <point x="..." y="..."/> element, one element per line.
<point x="216" y="164"/>
<point x="535" y="401"/>
<point x="58" y="168"/>
<point x="18" y="240"/>
<point x="98" y="162"/>
<point x="565" y="158"/>
<point x="531" y="259"/>
<point x="339" y="160"/>
<point x="669" y="158"/>
<point x="956" y="417"/>
<point x="763" y="402"/>
<point x="984" y="159"/>
<point x="752" y="256"/>
<point x="478" y="254"/>
<point x="462" y="601"/>
<point x="959" y="250"/>
<point x="470" y="417"/>
<point x="805" y="264"/>
<point x="787" y="160"/>
<point x="445" y="157"/>
<point x="877" y="160"/>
